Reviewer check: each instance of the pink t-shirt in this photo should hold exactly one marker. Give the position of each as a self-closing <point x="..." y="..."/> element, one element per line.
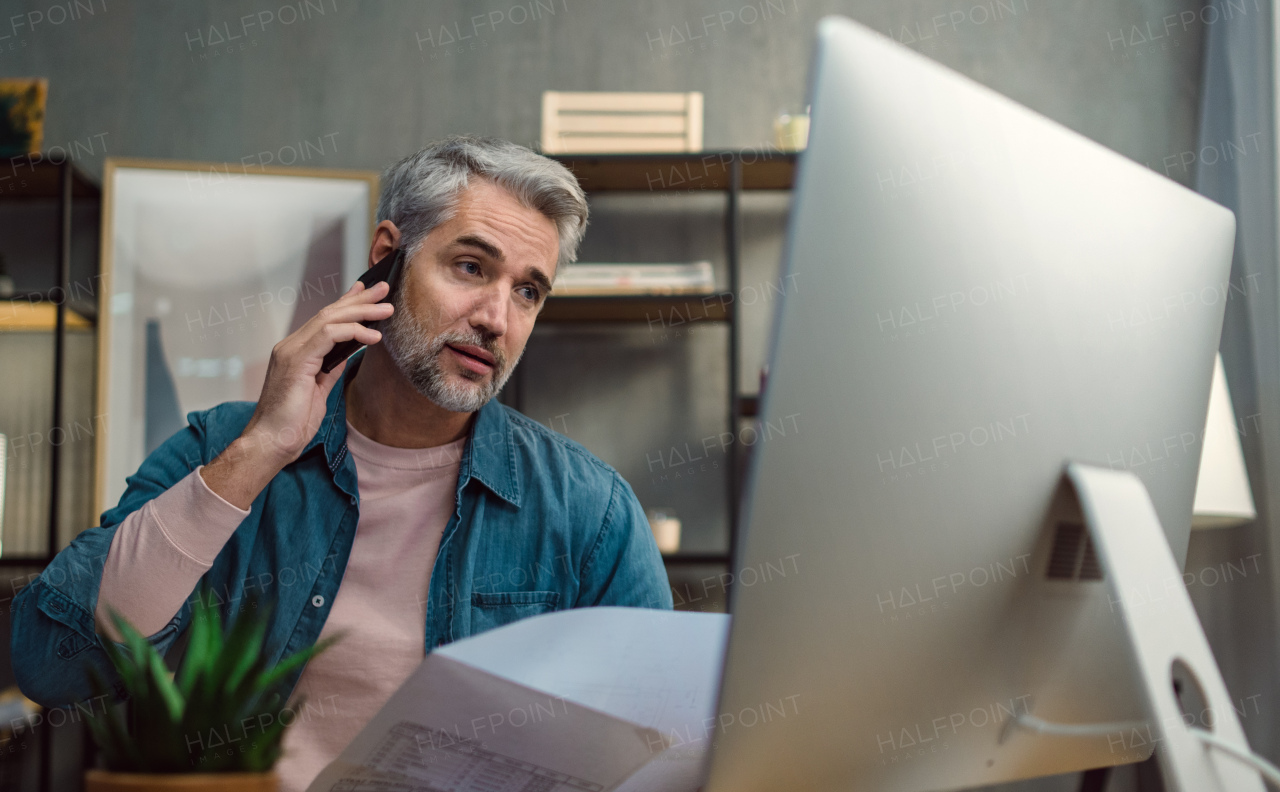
<point x="406" y="499"/>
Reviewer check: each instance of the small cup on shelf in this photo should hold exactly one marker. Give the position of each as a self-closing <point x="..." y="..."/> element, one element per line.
<point x="666" y="530"/>
<point x="791" y="130"/>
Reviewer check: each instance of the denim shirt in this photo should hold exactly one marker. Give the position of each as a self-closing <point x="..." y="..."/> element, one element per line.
<point x="540" y="524"/>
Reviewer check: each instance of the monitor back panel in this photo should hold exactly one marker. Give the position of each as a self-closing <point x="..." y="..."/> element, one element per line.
<point x="977" y="295"/>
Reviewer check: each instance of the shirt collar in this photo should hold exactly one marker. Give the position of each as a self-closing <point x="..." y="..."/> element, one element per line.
<point x="489" y="455"/>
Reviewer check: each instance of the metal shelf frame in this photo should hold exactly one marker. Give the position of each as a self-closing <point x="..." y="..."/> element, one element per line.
<point x="64" y="183"/>
<point x="730" y="172"/>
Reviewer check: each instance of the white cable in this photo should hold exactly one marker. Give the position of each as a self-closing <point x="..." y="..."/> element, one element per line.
<point x="1265" y="768"/>
<point x="1032" y="723"/>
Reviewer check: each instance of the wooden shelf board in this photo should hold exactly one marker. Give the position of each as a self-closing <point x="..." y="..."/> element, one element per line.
<point x="696" y="559"/>
<point x="41" y="180"/>
<point x="23" y="561"/>
<point x="777" y="172"/>
<point x="761" y="170"/>
<point x="657" y="311"/>
<point x="19" y="316"/>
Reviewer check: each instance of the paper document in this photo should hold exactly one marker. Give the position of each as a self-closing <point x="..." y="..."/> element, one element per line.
<point x="586" y="700"/>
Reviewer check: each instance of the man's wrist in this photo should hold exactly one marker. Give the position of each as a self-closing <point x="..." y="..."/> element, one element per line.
<point x="244" y="469"/>
<point x="261" y="449"/>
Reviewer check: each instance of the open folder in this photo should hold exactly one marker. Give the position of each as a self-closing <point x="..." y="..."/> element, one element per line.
<point x="586" y="700"/>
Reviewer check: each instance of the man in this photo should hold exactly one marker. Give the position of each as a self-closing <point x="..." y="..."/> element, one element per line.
<point x="391" y="500"/>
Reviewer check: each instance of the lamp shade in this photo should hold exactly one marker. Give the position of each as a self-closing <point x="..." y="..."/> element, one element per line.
<point x="1223" y="497"/>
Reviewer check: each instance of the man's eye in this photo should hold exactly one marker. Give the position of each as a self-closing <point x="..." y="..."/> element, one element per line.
<point x="530" y="293"/>
<point x="470" y="267"/>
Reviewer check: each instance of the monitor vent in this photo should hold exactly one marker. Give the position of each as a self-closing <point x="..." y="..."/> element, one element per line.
<point x="1072" y="556"/>
<point x="1090" y="569"/>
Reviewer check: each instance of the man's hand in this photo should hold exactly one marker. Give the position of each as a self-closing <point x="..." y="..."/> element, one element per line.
<point x="294" y="395"/>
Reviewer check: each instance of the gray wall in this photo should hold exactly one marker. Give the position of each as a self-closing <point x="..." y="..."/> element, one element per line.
<point x="367" y="82"/>
<point x="376" y="76"/>
<point x="370" y="81"/>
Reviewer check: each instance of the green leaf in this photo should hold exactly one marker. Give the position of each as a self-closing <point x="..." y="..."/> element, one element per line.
<point x="168" y="690"/>
<point x="196" y="660"/>
<point x="109" y="729"/>
<point x="176" y="722"/>
<point x="276" y="675"/>
<point x="247" y="650"/>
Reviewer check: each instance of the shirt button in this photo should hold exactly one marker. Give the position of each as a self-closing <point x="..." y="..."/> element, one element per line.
<point x="353" y="498"/>
<point x="317" y="601"/>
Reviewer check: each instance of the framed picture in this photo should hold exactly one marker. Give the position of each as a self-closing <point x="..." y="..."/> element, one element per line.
<point x="205" y="267"/>
<point x="22" y="103"/>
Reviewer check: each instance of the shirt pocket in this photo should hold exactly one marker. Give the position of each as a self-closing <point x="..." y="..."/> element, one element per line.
<point x="496" y="608"/>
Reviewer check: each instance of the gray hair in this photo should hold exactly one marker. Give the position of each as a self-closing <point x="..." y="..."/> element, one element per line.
<point x="421" y="191"/>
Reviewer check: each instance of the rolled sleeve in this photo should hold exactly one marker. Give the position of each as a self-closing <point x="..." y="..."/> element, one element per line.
<point x="54" y="640"/>
<point x="160" y="552"/>
<point x="624" y="566"/>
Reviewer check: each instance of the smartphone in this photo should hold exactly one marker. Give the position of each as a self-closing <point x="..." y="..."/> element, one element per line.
<point x="388" y="269"/>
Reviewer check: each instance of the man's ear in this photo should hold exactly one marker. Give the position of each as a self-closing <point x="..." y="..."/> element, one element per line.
<point x="386" y="238"/>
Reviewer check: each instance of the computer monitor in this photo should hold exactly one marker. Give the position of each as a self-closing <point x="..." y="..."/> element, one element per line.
<point x="981" y="295"/>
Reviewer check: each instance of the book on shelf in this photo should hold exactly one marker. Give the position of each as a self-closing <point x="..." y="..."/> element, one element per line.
<point x="591" y="279"/>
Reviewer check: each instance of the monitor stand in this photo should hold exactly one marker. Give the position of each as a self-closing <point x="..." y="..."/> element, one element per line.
<point x="1181" y="683"/>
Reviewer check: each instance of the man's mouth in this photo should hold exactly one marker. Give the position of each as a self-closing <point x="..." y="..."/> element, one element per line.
<point x="473" y="357"/>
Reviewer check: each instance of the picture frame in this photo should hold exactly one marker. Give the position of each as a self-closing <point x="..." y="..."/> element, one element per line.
<point x="205" y="267"/>
<point x="22" y="111"/>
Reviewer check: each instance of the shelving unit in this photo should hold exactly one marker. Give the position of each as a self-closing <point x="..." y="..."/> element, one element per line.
<point x="49" y="310"/>
<point x="726" y="172"/>
<point x="711" y="307"/>
<point x="729" y="172"/>
<point x="60" y="187"/>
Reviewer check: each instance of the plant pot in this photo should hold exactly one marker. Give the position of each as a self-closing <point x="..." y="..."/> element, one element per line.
<point x="107" y="781"/>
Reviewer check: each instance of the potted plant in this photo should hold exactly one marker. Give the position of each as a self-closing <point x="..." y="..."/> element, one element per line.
<point x="216" y="724"/>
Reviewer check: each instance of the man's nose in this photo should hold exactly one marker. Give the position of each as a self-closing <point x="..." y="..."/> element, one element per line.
<point x="490" y="310"/>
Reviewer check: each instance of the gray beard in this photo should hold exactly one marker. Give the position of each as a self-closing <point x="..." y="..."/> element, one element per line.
<point x="416" y="353"/>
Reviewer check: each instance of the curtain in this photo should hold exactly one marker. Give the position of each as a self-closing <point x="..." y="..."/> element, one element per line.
<point x="1234" y="570"/>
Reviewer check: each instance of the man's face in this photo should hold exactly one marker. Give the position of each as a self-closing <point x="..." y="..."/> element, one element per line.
<point x="469" y="297"/>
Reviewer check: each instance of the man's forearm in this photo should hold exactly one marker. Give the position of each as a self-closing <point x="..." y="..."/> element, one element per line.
<point x="160" y="552"/>
<point x="241" y="472"/>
